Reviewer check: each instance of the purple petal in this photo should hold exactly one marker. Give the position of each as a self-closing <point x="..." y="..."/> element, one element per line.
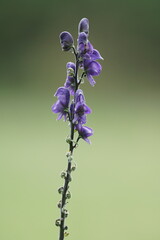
<point x="89" y="47"/>
<point x="94" y="68"/>
<point x="63" y="96"/>
<point x="91" y="79"/>
<point x="84" y="26"/>
<point x="86" y="62"/>
<point x="87" y="109"/>
<point x="69" y="81"/>
<point x="70" y="84"/>
<point x="95" y="55"/>
<point x="83" y="119"/>
<point x="76" y="117"/>
<point x="87" y="132"/>
<point x="57" y="107"/>
<point x="79" y="97"/>
<point x="60" y="116"/>
<point x="84" y="132"/>
<point x="87" y="140"/>
<point x="82" y="38"/>
<point x="72" y="109"/>
<point x="66" y="41"/>
<point x="81" y="48"/>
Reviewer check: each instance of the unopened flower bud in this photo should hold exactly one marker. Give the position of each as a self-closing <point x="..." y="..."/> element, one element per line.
<point x="73" y="168"/>
<point x="83" y="26"/>
<point x="68" y="154"/>
<point x="59" y="204"/>
<point x="60" y="190"/>
<point x="66" y="228"/>
<point x="58" y="222"/>
<point x="68" y="195"/>
<point x="66" y="41"/>
<point x="63" y="174"/>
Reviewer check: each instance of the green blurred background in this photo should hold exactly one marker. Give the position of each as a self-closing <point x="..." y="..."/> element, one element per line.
<point x="116" y="188"/>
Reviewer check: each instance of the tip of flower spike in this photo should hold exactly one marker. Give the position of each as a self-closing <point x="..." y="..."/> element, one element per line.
<point x="84" y="26"/>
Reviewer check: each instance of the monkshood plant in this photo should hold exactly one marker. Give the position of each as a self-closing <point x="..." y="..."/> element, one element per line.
<point x="71" y="105"/>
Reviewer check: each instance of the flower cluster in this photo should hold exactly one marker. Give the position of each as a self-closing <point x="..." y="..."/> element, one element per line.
<point x="75" y="110"/>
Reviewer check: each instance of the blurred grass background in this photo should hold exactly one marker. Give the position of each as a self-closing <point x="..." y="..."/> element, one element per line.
<point x="116" y="188"/>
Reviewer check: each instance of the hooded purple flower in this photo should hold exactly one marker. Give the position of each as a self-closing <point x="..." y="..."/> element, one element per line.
<point x="70" y="81"/>
<point x="86" y="50"/>
<point x="84" y="26"/>
<point x="84" y="132"/>
<point x="66" y="41"/>
<point x="92" y="68"/>
<point x="81" y="109"/>
<point x="62" y="104"/>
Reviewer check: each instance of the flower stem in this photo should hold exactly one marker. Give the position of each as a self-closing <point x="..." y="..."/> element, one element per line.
<point x="71" y="148"/>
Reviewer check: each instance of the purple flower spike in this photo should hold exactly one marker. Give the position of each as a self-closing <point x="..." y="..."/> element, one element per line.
<point x="92" y="68"/>
<point x="84" y="26"/>
<point x="66" y="41"/>
<point x="71" y="105"/>
<point x="62" y="104"/>
<point x="70" y="81"/>
<point x="84" y="132"/>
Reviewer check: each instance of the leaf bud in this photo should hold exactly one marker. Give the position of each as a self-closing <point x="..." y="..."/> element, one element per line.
<point x="59" y="204"/>
<point x="70" y="158"/>
<point x="68" y="195"/>
<point x="68" y="154"/>
<point x="63" y="174"/>
<point x="58" y="222"/>
<point x="65" y="211"/>
<point x="68" y="140"/>
<point x="69" y="178"/>
<point x="60" y="190"/>
<point x="66" y="228"/>
<point x="73" y="168"/>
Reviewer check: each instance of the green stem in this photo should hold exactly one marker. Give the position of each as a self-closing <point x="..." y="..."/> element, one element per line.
<point x="71" y="148"/>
